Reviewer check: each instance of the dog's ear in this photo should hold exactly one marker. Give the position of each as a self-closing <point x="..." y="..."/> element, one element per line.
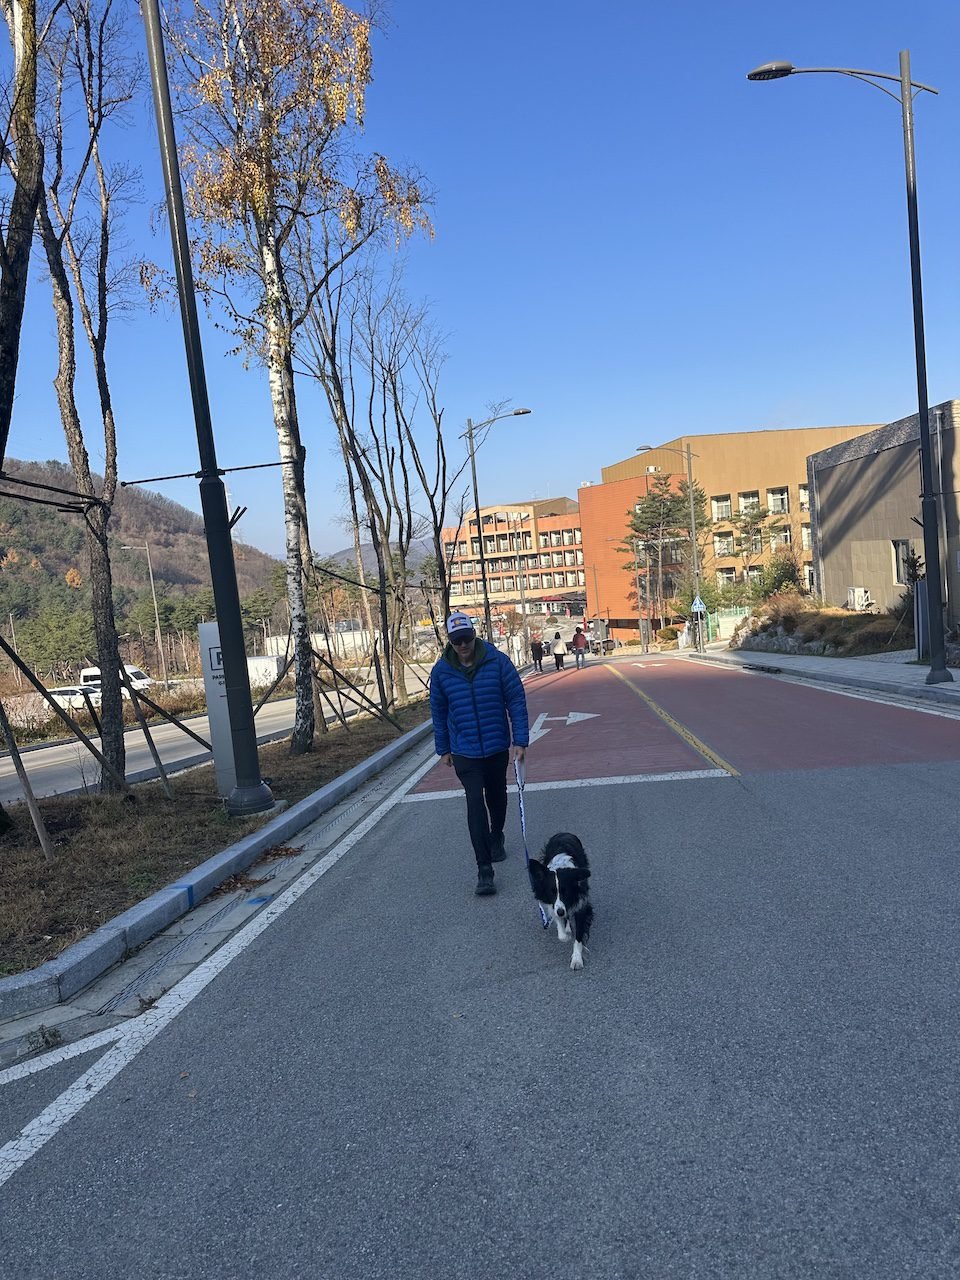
<point x="537" y="871"/>
<point x="584" y="873"/>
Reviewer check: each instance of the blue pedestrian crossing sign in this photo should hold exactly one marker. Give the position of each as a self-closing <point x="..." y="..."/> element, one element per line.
<point x="698" y="606"/>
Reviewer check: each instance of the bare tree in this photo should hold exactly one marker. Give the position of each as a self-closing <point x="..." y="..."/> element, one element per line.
<point x="272" y="90"/>
<point x="23" y="157"/>
<point x="87" y="68"/>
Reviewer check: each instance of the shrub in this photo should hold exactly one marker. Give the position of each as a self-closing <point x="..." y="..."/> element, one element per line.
<point x="666" y="634"/>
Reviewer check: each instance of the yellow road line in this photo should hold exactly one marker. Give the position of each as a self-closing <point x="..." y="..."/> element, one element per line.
<point x="688" y="736"/>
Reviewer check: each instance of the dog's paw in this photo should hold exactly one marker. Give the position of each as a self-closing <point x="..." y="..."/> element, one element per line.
<point x="565" y="933"/>
<point x="576" y="962"/>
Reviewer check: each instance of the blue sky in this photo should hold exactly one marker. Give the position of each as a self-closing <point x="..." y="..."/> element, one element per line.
<point x="631" y="239"/>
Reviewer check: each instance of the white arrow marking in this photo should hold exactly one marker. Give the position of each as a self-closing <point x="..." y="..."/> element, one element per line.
<point x="572" y="717"/>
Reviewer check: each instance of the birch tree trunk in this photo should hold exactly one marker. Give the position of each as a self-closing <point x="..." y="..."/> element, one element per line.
<point x="283" y="402"/>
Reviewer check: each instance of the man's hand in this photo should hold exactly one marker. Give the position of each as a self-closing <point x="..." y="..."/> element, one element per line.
<point x="447" y="759"/>
<point x="519" y="754"/>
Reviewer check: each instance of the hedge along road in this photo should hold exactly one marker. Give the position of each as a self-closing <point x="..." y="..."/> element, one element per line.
<point x="382" y="1074"/>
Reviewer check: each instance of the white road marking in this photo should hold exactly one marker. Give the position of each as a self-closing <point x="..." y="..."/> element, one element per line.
<point x="571" y="717"/>
<point x="142" y="1030"/>
<point x="75" y="1050"/>
<point x="581" y="782"/>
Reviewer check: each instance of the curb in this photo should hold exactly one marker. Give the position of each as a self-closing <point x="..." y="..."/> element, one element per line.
<point x="60" y="979"/>
<point x="932" y="693"/>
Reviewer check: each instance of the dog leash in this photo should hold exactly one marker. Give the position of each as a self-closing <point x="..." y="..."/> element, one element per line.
<point x="523" y="831"/>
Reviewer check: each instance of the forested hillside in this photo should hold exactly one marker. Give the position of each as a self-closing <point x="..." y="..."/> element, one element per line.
<point x="44" y="591"/>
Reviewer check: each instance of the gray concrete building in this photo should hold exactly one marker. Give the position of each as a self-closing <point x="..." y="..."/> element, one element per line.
<point x="865" y="511"/>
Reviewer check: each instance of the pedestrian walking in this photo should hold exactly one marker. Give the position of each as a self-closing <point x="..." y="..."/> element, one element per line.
<point x="477" y="703"/>
<point x="580" y="648"/>
<point x="536" y="652"/>
<point x="559" y="649"/>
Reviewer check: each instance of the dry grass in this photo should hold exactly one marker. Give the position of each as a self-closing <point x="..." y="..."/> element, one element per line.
<point x="113" y="852"/>
<point x="846" y="634"/>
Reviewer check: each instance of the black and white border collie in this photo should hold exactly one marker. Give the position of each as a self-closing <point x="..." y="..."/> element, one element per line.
<point x="559" y="877"/>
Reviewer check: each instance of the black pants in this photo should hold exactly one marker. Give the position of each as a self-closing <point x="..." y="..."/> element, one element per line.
<point x="558" y="659"/>
<point x="485" y="782"/>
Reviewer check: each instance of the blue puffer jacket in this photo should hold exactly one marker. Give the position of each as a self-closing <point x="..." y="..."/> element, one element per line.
<point x="470" y="715"/>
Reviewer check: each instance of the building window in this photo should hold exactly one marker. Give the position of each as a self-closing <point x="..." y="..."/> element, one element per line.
<point x="449" y="548"/>
<point x="569" y="558"/>
<point x="753" y="573"/>
<point x="803" y="493"/>
<point x="748" y="501"/>
<point x="581" y="579"/>
<point x="489" y="544"/>
<point x="508" y="584"/>
<point x="555" y="539"/>
<point x="809" y="577"/>
<point x="806" y="537"/>
<point x="726" y="577"/>
<point x="534" y="581"/>
<point x="579" y="557"/>
<point x="454" y="589"/>
<point x="495" y="584"/>
<point x="577" y="536"/>
<point x="756" y="542"/>
<point x="722" y="507"/>
<point x="781" y="538"/>
<point x="901" y="550"/>
<point x="778" y="501"/>
<point x="548" y="580"/>
<point x="543" y="539"/>
<point x="723" y="544"/>
<point x="557" y="559"/>
<point x="568" y="537"/>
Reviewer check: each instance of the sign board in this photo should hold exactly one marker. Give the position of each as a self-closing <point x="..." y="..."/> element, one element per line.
<point x="215" y="687"/>
<point x="698" y="606"/>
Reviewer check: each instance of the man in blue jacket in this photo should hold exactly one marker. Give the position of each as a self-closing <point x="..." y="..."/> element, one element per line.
<point x="477" y="700"/>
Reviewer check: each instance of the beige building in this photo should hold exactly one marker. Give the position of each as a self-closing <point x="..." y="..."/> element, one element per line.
<point x="865" y="508"/>
<point x="534" y="559"/>
<point x="738" y="470"/>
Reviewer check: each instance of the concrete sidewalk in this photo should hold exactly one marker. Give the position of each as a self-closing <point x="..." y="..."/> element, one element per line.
<point x="898" y="674"/>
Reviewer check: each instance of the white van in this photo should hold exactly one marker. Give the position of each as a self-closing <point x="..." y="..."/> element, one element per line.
<point x="139" y="679"/>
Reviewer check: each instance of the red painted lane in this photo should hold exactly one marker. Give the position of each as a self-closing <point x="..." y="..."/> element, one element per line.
<point x="623" y="737"/>
<point x="762" y="725"/>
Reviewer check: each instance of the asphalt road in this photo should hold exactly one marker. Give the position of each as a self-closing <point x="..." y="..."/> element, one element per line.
<point x="754" y="1075"/>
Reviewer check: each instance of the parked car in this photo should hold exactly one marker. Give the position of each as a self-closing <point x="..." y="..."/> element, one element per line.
<point x="139" y="679"/>
<point x="70" y="697"/>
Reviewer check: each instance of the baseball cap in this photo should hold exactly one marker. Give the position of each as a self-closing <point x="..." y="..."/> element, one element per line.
<point x="459" y="625"/>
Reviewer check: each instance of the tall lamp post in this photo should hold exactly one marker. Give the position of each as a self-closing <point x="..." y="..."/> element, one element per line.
<point x="251" y="794"/>
<point x="156" y="611"/>
<point x="469" y="435"/>
<point x="517" y="520"/>
<point x="694" y="549"/>
<point x="938" y="673"/>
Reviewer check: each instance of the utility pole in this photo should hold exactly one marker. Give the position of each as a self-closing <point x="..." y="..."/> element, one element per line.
<point x="694" y="549"/>
<point x="156" y="611"/>
<point x="516" y="522"/>
<point x="488" y="621"/>
<point x="251" y="794"/>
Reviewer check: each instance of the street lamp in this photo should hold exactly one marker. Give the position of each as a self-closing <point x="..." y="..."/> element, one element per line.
<point x="469" y="435"/>
<point x="156" y="611"/>
<point x="938" y="673"/>
<point x="695" y="551"/>
<point x="517" y="519"/>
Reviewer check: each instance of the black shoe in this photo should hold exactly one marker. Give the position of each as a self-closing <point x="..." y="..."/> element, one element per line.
<point x="497" y="852"/>
<point x="485" y="886"/>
